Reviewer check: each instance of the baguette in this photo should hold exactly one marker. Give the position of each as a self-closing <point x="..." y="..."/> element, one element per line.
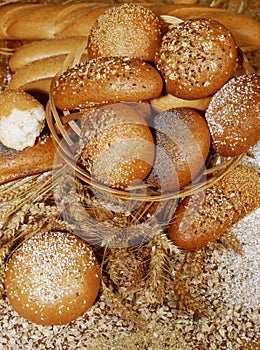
<point x="41" y="49"/>
<point x="36" y="77"/>
<point x="41" y="21"/>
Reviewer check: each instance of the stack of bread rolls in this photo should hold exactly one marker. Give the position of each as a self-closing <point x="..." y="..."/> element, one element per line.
<point x="190" y="66"/>
<point x="181" y="67"/>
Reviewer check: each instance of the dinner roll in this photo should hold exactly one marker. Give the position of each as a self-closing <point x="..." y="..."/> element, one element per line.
<point x="196" y="58"/>
<point x="22" y="119"/>
<point x="182" y="145"/>
<point x="233" y="116"/>
<point x="117" y="146"/>
<point x="52" y="278"/>
<point x="105" y="80"/>
<point x="137" y="27"/>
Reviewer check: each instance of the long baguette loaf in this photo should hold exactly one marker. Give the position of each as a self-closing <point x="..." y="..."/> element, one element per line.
<point x="30" y="22"/>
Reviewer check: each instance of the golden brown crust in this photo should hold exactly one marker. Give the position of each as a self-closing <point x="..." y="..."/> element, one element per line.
<point x="117" y="146"/>
<point x="203" y="217"/>
<point x="132" y="24"/>
<point x="106" y="80"/>
<point x="40" y="69"/>
<point x="196" y="58"/>
<point x="52" y="278"/>
<point x="41" y="49"/>
<point x="233" y="116"/>
<point x="182" y="145"/>
<point x="32" y="160"/>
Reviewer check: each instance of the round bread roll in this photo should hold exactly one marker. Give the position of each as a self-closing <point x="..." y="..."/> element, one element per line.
<point x="106" y="80"/>
<point x="22" y="119"/>
<point x="39" y="49"/>
<point x="233" y="116"/>
<point x="196" y="58"/>
<point x="117" y="146"/>
<point x="52" y="278"/>
<point x="201" y="218"/>
<point x="132" y="24"/>
<point x="182" y="145"/>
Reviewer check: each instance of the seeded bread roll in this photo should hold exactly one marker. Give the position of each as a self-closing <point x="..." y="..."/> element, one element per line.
<point x="233" y="116"/>
<point x="117" y="146"/>
<point x="22" y="119"/>
<point x="202" y="218"/>
<point x="132" y="24"/>
<point x="182" y="145"/>
<point x="52" y="278"/>
<point x="40" y="49"/>
<point x="105" y="80"/>
<point x="196" y="58"/>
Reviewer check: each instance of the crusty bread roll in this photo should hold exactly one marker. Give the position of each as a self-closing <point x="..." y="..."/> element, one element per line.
<point x="182" y="145"/>
<point x="52" y="278"/>
<point x="41" y="49"/>
<point x="196" y="58"/>
<point x="117" y="146"/>
<point x="105" y="80"/>
<point x="136" y="26"/>
<point x="233" y="116"/>
<point x="203" y="217"/>
<point x="22" y="119"/>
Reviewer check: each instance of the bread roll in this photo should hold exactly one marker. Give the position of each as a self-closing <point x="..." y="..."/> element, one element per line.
<point x="182" y="145"/>
<point x="196" y="58"/>
<point x="117" y="146"/>
<point x="106" y="80"/>
<point x="40" y="49"/>
<point x="137" y="27"/>
<point x="22" y="119"/>
<point x="52" y="278"/>
<point x="233" y="116"/>
<point x="203" y="217"/>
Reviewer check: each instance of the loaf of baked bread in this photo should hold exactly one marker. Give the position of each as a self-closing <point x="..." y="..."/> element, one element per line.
<point x="203" y="217"/>
<point x="40" y="21"/>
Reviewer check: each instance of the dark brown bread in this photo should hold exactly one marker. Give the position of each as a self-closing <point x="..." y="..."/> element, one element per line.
<point x="105" y="80"/>
<point x="202" y="218"/>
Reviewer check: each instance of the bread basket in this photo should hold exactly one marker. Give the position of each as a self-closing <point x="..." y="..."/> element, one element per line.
<point x="65" y="130"/>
